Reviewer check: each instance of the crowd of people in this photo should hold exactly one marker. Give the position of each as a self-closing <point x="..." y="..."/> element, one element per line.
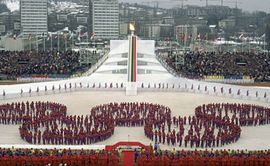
<point x="55" y="157"/>
<point x="213" y="125"/>
<point x="236" y="64"/>
<point x="142" y="157"/>
<point x="20" y="63"/>
<point x="203" y="158"/>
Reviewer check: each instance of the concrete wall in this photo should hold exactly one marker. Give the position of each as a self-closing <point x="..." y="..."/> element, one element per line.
<point x="11" y="44"/>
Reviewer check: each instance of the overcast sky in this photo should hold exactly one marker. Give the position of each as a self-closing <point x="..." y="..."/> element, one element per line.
<point x="248" y="5"/>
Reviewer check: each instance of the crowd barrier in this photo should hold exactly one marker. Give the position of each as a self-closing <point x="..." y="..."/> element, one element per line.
<point x="229" y="79"/>
<point x="226" y="91"/>
<point x="41" y="78"/>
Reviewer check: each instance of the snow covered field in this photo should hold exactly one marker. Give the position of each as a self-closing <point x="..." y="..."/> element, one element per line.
<point x="181" y="103"/>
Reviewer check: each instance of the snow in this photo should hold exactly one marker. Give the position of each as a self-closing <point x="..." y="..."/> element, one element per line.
<point x="13" y="5"/>
<point x="181" y="103"/>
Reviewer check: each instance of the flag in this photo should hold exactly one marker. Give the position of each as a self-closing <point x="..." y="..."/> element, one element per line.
<point x="241" y="36"/>
<point x="93" y="35"/>
<point x="198" y="37"/>
<point x="71" y="35"/>
<point x="83" y="34"/>
<point x="183" y="37"/>
<point x="14" y="36"/>
<point x="206" y="36"/>
<point x="213" y="37"/>
<point x="30" y="36"/>
<point x="190" y="37"/>
<point x="65" y="36"/>
<point x="49" y="36"/>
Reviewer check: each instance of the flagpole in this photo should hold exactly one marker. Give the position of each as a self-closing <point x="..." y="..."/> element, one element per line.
<point x="242" y="46"/>
<point x="51" y="43"/>
<point x="248" y="46"/>
<point x="65" y="43"/>
<point x="71" y="40"/>
<point x="37" y="41"/>
<point x="185" y="36"/>
<point x="87" y="40"/>
<point x="213" y="44"/>
<point x="30" y="42"/>
<point x="182" y="35"/>
<point x="44" y="43"/>
<point x="58" y="42"/>
<point x="199" y="43"/>
<point x="264" y="43"/>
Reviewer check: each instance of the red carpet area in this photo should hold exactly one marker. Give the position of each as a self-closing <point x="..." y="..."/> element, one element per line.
<point x="128" y="157"/>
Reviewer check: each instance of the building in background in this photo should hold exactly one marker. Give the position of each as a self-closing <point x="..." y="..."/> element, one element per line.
<point x="227" y="23"/>
<point x="34" y="19"/>
<point x="123" y="29"/>
<point x="185" y="33"/>
<point x="104" y="18"/>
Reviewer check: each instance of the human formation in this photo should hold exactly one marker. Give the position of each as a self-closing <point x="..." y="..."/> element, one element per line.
<point x="212" y="125"/>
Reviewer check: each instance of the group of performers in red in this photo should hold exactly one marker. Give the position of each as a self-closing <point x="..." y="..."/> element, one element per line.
<point x="213" y="125"/>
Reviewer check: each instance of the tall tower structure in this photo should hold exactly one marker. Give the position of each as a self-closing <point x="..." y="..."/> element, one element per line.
<point x="34" y="17"/>
<point x="131" y="86"/>
<point x="104" y="18"/>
